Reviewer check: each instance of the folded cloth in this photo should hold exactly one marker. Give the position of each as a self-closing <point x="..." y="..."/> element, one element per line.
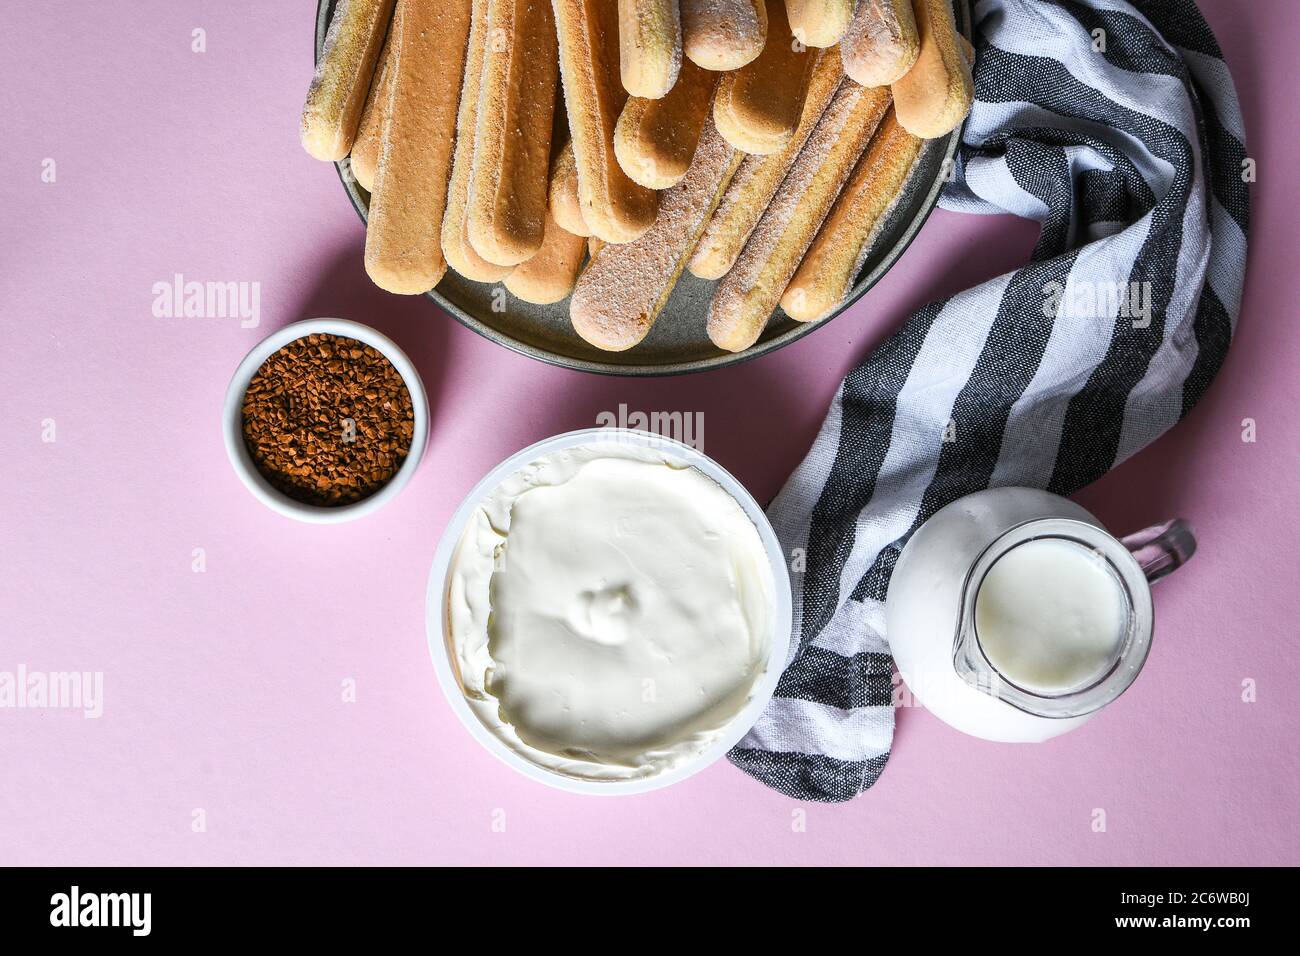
<point x="1115" y="124"/>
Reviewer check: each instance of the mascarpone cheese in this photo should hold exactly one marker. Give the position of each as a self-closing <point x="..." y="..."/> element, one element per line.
<point x="609" y="611"/>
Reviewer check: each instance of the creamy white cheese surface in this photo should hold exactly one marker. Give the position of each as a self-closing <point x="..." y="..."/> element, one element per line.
<point x="609" y="611"/>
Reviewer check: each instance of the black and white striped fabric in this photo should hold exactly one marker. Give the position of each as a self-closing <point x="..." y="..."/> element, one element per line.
<point x="1115" y="124"/>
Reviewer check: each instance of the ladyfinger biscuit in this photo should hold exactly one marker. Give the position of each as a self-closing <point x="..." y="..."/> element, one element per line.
<point x="935" y="95"/>
<point x="881" y="43"/>
<point x="746" y="297"/>
<point x="835" y="258"/>
<point x="819" y="23"/>
<point x="565" y="208"/>
<point x="365" y="148"/>
<point x="759" y="177"/>
<point x="758" y="106"/>
<point x="723" y="34"/>
<point x="594" y="246"/>
<point x="655" y="139"/>
<point x="455" y="237"/>
<point x="549" y="276"/>
<point x="614" y="207"/>
<point x="624" y="288"/>
<point x="403" y="236"/>
<point x="650" y="46"/>
<point x="342" y="78"/>
<point x="506" y="213"/>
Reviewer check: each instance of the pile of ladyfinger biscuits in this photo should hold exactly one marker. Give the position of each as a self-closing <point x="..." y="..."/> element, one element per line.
<point x="594" y="149"/>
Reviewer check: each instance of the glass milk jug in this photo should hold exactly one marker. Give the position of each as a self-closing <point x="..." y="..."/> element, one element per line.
<point x="1013" y="615"/>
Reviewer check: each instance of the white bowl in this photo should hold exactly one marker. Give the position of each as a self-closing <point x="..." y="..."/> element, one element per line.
<point x="233" y="424"/>
<point x="436" y="613"/>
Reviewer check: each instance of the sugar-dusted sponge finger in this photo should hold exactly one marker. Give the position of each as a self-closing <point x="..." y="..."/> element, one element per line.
<point x="650" y="46"/>
<point x="936" y="94"/>
<point x="364" y="159"/>
<point x="758" y="106"/>
<point x="748" y="294"/>
<point x="614" y="207"/>
<point x="655" y="139"/>
<point x="594" y="246"/>
<point x="404" y="230"/>
<point x="623" y="289"/>
<point x="505" y="216"/>
<point x="565" y="207"/>
<point x="549" y="276"/>
<point x="835" y="258"/>
<point x="455" y="237"/>
<point x="819" y="23"/>
<point x="342" y="79"/>
<point x="723" y="34"/>
<point x="881" y="43"/>
<point x="758" y="178"/>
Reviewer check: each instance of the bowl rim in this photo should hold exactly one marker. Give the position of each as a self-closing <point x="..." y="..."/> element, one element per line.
<point x="929" y="203"/>
<point x="735" y="729"/>
<point x="233" y="428"/>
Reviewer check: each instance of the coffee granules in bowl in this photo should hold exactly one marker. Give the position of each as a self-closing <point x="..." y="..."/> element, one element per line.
<point x="327" y="420"/>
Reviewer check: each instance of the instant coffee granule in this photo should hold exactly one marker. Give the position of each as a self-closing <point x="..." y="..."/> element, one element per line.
<point x="328" y="420"/>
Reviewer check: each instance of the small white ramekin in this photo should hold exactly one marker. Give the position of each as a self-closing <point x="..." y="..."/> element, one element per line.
<point x="233" y="424"/>
<point x="436" y="613"/>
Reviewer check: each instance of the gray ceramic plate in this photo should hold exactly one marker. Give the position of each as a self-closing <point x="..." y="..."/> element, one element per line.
<point x="678" y="342"/>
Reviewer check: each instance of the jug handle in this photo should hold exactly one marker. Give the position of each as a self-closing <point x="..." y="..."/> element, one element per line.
<point x="1161" y="549"/>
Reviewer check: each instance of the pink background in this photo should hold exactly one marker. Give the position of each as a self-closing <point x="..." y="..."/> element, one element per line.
<point x="223" y="688"/>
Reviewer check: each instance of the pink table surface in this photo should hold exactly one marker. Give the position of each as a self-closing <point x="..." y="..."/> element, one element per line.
<point x="222" y="689"/>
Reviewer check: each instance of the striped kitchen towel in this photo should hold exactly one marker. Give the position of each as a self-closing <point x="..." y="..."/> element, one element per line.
<point x="1113" y="123"/>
